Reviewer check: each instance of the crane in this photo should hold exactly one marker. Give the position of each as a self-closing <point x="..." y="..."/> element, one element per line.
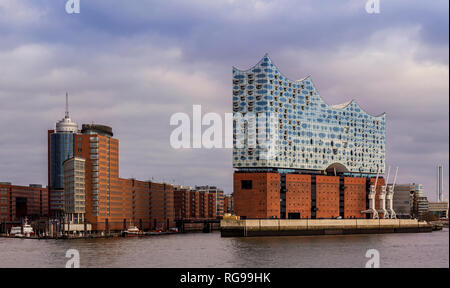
<point x="372" y="193"/>
<point x="390" y="197"/>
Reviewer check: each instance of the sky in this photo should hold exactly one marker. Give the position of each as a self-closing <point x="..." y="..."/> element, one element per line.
<point x="132" y="64"/>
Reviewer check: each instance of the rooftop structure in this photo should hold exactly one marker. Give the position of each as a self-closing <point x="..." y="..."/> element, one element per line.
<point x="97" y="129"/>
<point x="66" y="125"/>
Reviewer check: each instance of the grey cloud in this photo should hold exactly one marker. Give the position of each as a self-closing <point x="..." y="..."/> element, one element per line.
<point x="132" y="65"/>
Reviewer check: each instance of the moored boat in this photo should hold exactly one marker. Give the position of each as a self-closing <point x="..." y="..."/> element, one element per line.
<point x="17" y="230"/>
<point x="133" y="231"/>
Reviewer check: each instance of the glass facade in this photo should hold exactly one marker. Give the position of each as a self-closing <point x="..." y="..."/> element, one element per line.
<point x="61" y="149"/>
<point x="310" y="134"/>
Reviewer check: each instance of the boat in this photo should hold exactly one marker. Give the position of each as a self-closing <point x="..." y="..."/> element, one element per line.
<point x="17" y="230"/>
<point x="133" y="231"/>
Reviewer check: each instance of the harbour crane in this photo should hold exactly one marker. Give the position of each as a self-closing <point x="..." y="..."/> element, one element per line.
<point x="382" y="197"/>
<point x="372" y="193"/>
<point x="390" y="197"/>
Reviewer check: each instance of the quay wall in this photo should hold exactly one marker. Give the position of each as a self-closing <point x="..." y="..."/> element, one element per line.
<point x="291" y="227"/>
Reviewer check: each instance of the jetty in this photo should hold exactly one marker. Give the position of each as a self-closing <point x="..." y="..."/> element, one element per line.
<point x="291" y="227"/>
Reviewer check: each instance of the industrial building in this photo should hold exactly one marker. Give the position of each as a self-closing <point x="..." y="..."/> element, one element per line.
<point x="195" y="204"/>
<point x="314" y="161"/>
<point x="438" y="209"/>
<point x="404" y="200"/>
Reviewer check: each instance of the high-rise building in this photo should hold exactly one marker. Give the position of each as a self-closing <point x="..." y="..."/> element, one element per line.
<point x="295" y="156"/>
<point x="104" y="207"/>
<point x="60" y="148"/>
<point x="74" y="190"/>
<point x="110" y="203"/>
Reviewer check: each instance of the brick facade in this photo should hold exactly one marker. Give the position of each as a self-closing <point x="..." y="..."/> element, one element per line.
<point x="298" y="195"/>
<point x="257" y="195"/>
<point x="355" y="197"/>
<point x="327" y="195"/>
<point x="17" y="202"/>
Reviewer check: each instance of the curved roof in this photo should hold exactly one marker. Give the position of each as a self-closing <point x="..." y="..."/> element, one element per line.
<point x="336" y="106"/>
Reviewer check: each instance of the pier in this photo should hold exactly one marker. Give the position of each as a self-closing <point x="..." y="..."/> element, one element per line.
<point x="290" y="227"/>
<point x="204" y="225"/>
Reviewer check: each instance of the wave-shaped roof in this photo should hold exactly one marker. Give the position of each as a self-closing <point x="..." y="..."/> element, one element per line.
<point x="266" y="59"/>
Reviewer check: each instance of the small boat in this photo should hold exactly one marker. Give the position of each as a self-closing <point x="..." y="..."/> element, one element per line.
<point x="17" y="231"/>
<point x="133" y="231"/>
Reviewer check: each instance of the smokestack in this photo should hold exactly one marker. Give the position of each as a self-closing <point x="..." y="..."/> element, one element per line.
<point x="440" y="183"/>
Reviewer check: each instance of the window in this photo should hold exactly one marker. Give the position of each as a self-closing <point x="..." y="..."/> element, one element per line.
<point x="246" y="184"/>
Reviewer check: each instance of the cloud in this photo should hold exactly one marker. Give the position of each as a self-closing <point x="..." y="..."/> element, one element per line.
<point x="132" y="64"/>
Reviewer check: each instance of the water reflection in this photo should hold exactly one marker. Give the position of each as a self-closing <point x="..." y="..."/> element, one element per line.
<point x="210" y="250"/>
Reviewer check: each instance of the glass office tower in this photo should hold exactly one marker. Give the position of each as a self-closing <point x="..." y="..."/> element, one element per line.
<point x="60" y="148"/>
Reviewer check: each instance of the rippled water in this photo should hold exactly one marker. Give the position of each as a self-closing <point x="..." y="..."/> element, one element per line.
<point x="210" y="250"/>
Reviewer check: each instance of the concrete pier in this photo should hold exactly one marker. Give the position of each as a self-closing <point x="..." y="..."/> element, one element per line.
<point x="288" y="227"/>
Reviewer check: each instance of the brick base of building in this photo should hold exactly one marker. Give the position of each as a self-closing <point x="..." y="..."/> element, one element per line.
<point x="267" y="195"/>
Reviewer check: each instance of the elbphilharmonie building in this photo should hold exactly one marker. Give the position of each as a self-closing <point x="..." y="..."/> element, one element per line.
<point x="310" y="134"/>
<point x="304" y="158"/>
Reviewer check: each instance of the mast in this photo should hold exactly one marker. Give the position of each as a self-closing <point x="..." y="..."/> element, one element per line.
<point x="67" y="105"/>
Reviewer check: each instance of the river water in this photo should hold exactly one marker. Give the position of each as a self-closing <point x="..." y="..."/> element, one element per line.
<point x="210" y="250"/>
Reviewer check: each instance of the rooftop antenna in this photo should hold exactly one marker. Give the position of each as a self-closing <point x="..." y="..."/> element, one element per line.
<point x="67" y="105"/>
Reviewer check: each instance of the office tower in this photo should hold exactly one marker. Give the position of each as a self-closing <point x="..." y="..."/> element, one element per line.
<point x="104" y="206"/>
<point x="60" y="148"/>
<point x="74" y="190"/>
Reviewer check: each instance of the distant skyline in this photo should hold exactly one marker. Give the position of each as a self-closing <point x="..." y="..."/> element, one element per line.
<point x="132" y="64"/>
